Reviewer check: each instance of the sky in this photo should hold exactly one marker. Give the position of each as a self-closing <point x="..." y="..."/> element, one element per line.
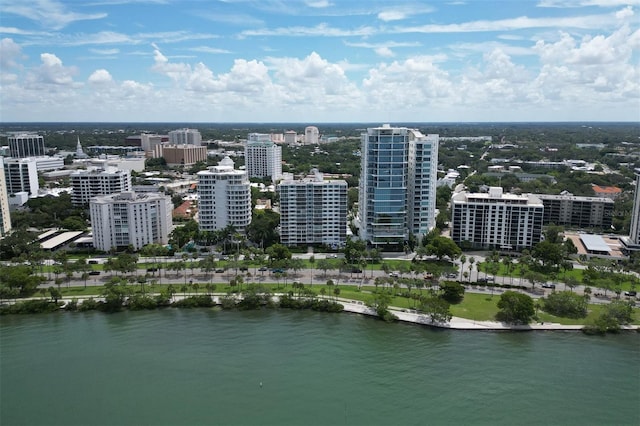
<point x="314" y="61"/>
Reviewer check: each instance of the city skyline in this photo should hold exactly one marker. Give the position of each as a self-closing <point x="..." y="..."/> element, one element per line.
<point x="320" y="61"/>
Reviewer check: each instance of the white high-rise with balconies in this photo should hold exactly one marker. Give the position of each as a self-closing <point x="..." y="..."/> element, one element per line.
<point x="185" y="137"/>
<point x="21" y="175"/>
<point x="262" y="157"/>
<point x="130" y="219"/>
<point x="397" y="184"/>
<point x="224" y="197"/>
<point x="496" y="220"/>
<point x="95" y="181"/>
<point x="313" y="211"/>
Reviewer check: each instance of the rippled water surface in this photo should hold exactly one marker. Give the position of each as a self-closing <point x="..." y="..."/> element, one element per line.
<point x="202" y="367"/>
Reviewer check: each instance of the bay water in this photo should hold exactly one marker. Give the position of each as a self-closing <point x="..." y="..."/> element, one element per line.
<point x="279" y="367"/>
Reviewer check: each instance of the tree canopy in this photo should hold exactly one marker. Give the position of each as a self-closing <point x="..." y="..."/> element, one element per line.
<point x="515" y="308"/>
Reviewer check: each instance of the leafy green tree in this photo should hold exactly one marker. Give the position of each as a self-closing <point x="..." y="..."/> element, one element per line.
<point x="452" y="292"/>
<point x="612" y="317"/>
<point x="437" y="309"/>
<point x="18" y="242"/>
<point x="278" y="252"/>
<point x="20" y="278"/>
<point x="324" y="265"/>
<point x="262" y="229"/>
<point x="516" y="308"/>
<point x="565" y="304"/>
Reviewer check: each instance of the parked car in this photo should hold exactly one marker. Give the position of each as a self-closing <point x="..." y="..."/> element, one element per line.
<point x="356" y="270"/>
<point x="219" y="270"/>
<point x="548" y="285"/>
<point x="262" y="268"/>
<point x="277" y="270"/>
<point x="630" y="293"/>
<point x="152" y="269"/>
<point x="452" y="275"/>
<point x="94" y="273"/>
<point x="394" y="275"/>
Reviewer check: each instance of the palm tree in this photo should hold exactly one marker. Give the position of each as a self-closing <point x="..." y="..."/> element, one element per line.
<point x="463" y="260"/>
<point x="472" y="260"/>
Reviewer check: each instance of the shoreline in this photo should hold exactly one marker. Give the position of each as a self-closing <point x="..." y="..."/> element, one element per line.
<point x="456" y="323"/>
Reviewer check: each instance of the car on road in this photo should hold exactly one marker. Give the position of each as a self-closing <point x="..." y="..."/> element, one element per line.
<point x="333" y="256"/>
<point x="356" y="270"/>
<point x="94" y="273"/>
<point x="277" y="270"/>
<point x="262" y="268"/>
<point x="394" y="275"/>
<point x="631" y="293"/>
<point x="152" y="269"/>
<point x="549" y="285"/>
<point x="219" y="270"/>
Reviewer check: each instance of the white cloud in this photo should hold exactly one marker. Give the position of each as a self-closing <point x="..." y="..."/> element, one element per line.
<point x="49" y="13"/>
<point x="391" y="15"/>
<point x="53" y="72"/>
<point x="585" y="3"/>
<point x="100" y="76"/>
<point x="518" y="23"/>
<point x="319" y="4"/>
<point x="207" y="49"/>
<point x="318" y="30"/>
<point x="106" y="52"/>
<point x="384" y="51"/>
<point x="10" y="52"/>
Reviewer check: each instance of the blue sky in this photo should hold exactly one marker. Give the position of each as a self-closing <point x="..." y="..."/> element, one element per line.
<point x="314" y="61"/>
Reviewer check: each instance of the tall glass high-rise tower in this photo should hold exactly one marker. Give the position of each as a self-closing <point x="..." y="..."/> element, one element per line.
<point x="397" y="184"/>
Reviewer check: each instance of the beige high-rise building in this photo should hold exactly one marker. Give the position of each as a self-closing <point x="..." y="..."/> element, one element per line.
<point x="181" y="155"/>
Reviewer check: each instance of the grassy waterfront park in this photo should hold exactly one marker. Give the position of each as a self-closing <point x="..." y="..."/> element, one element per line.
<point x="478" y="303"/>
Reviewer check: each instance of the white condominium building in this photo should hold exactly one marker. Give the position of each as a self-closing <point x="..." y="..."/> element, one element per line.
<point x="311" y="135"/>
<point x="423" y="176"/>
<point x="120" y="220"/>
<point x="5" y="218"/>
<point x="185" y="137"/>
<point x="496" y="220"/>
<point x="397" y="184"/>
<point x="94" y="182"/>
<point x="313" y="211"/>
<point x="290" y="137"/>
<point x="263" y="158"/>
<point x="24" y="145"/>
<point x="633" y="241"/>
<point x="21" y="175"/>
<point x="224" y="197"/>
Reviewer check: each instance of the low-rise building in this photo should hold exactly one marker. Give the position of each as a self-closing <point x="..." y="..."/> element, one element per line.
<point x="574" y="211"/>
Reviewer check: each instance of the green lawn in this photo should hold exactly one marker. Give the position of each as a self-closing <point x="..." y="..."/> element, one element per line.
<point x="561" y="277"/>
